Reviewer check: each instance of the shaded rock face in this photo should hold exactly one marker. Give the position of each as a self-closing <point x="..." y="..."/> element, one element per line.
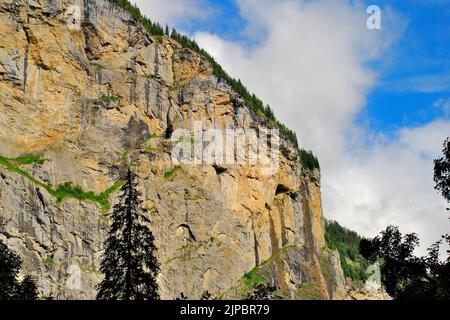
<point x="95" y="98"/>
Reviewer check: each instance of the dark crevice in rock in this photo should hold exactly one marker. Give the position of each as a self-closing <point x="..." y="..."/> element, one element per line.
<point x="169" y="129"/>
<point x="157" y="75"/>
<point x="41" y="198"/>
<point x="294" y="195"/>
<point x="255" y="246"/>
<point x="281" y="189"/>
<point x="133" y="82"/>
<point x="147" y="93"/>
<point x="219" y="170"/>
<point x="191" y="234"/>
<point x="26" y="57"/>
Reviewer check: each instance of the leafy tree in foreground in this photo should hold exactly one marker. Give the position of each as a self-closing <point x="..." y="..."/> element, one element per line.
<point x="129" y="263"/>
<point x="10" y="288"/>
<point x="442" y="172"/>
<point x="404" y="275"/>
<point x="442" y="178"/>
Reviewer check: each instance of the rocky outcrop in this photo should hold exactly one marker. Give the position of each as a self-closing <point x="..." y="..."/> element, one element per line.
<point x="95" y="97"/>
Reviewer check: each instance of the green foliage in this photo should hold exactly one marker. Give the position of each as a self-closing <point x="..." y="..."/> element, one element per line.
<point x="442" y="171"/>
<point x="152" y="150"/>
<point x="404" y="275"/>
<point x="98" y="66"/>
<point x="69" y="190"/>
<point x="308" y="160"/>
<point x="192" y="197"/>
<point x="29" y="159"/>
<point x="27" y="289"/>
<point x="143" y="76"/>
<point x="347" y="242"/>
<point x="24" y="160"/>
<point x="169" y="174"/>
<point x="10" y="288"/>
<point x="129" y="262"/>
<point x="64" y="190"/>
<point x="253" y="278"/>
<point x="48" y="261"/>
<point x="105" y="98"/>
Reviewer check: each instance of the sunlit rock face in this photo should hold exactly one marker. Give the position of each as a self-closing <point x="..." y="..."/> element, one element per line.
<point x="88" y="90"/>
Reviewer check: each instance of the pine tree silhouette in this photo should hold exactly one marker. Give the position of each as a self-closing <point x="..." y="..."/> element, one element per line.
<point x="129" y="263"/>
<point x="10" y="288"/>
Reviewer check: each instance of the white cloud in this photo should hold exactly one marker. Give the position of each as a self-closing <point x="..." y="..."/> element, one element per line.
<point x="174" y="12"/>
<point x="310" y="64"/>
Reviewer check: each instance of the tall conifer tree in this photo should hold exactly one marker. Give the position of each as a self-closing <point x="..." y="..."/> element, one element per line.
<point x="129" y="263"/>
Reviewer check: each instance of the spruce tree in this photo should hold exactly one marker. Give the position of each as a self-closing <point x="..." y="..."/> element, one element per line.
<point x="129" y="263"/>
<point x="10" y="288"/>
<point x="167" y="33"/>
<point x="27" y="289"/>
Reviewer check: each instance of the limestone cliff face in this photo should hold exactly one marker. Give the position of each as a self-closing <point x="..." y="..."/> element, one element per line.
<point x="95" y="99"/>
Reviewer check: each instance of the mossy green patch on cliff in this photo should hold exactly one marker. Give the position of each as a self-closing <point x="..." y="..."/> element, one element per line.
<point x="192" y="197"/>
<point x="48" y="261"/>
<point x="68" y="190"/>
<point x="142" y="76"/>
<point x="98" y="66"/>
<point x="24" y="160"/>
<point x="152" y="150"/>
<point x="169" y="174"/>
<point x="105" y="98"/>
<point x="253" y="278"/>
<point x="64" y="190"/>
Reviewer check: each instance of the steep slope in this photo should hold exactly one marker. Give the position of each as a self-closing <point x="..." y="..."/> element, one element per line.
<point x="79" y="105"/>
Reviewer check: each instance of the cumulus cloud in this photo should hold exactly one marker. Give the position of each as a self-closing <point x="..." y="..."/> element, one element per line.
<point x="175" y="12"/>
<point x="310" y="62"/>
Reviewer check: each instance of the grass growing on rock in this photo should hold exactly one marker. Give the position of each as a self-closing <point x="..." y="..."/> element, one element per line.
<point x="253" y="278"/>
<point x="105" y="98"/>
<point x="192" y="197"/>
<point x="169" y="174"/>
<point x="48" y="261"/>
<point x="98" y="66"/>
<point x="66" y="190"/>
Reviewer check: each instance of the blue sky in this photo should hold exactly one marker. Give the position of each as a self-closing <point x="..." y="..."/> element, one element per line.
<point x="423" y="50"/>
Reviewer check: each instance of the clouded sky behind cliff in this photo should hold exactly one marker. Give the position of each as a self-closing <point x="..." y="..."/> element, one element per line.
<point x="373" y="105"/>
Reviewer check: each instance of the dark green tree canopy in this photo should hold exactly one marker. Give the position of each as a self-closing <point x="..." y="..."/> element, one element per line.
<point x="10" y="287"/>
<point x="405" y="276"/>
<point x="442" y="171"/>
<point x="129" y="263"/>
